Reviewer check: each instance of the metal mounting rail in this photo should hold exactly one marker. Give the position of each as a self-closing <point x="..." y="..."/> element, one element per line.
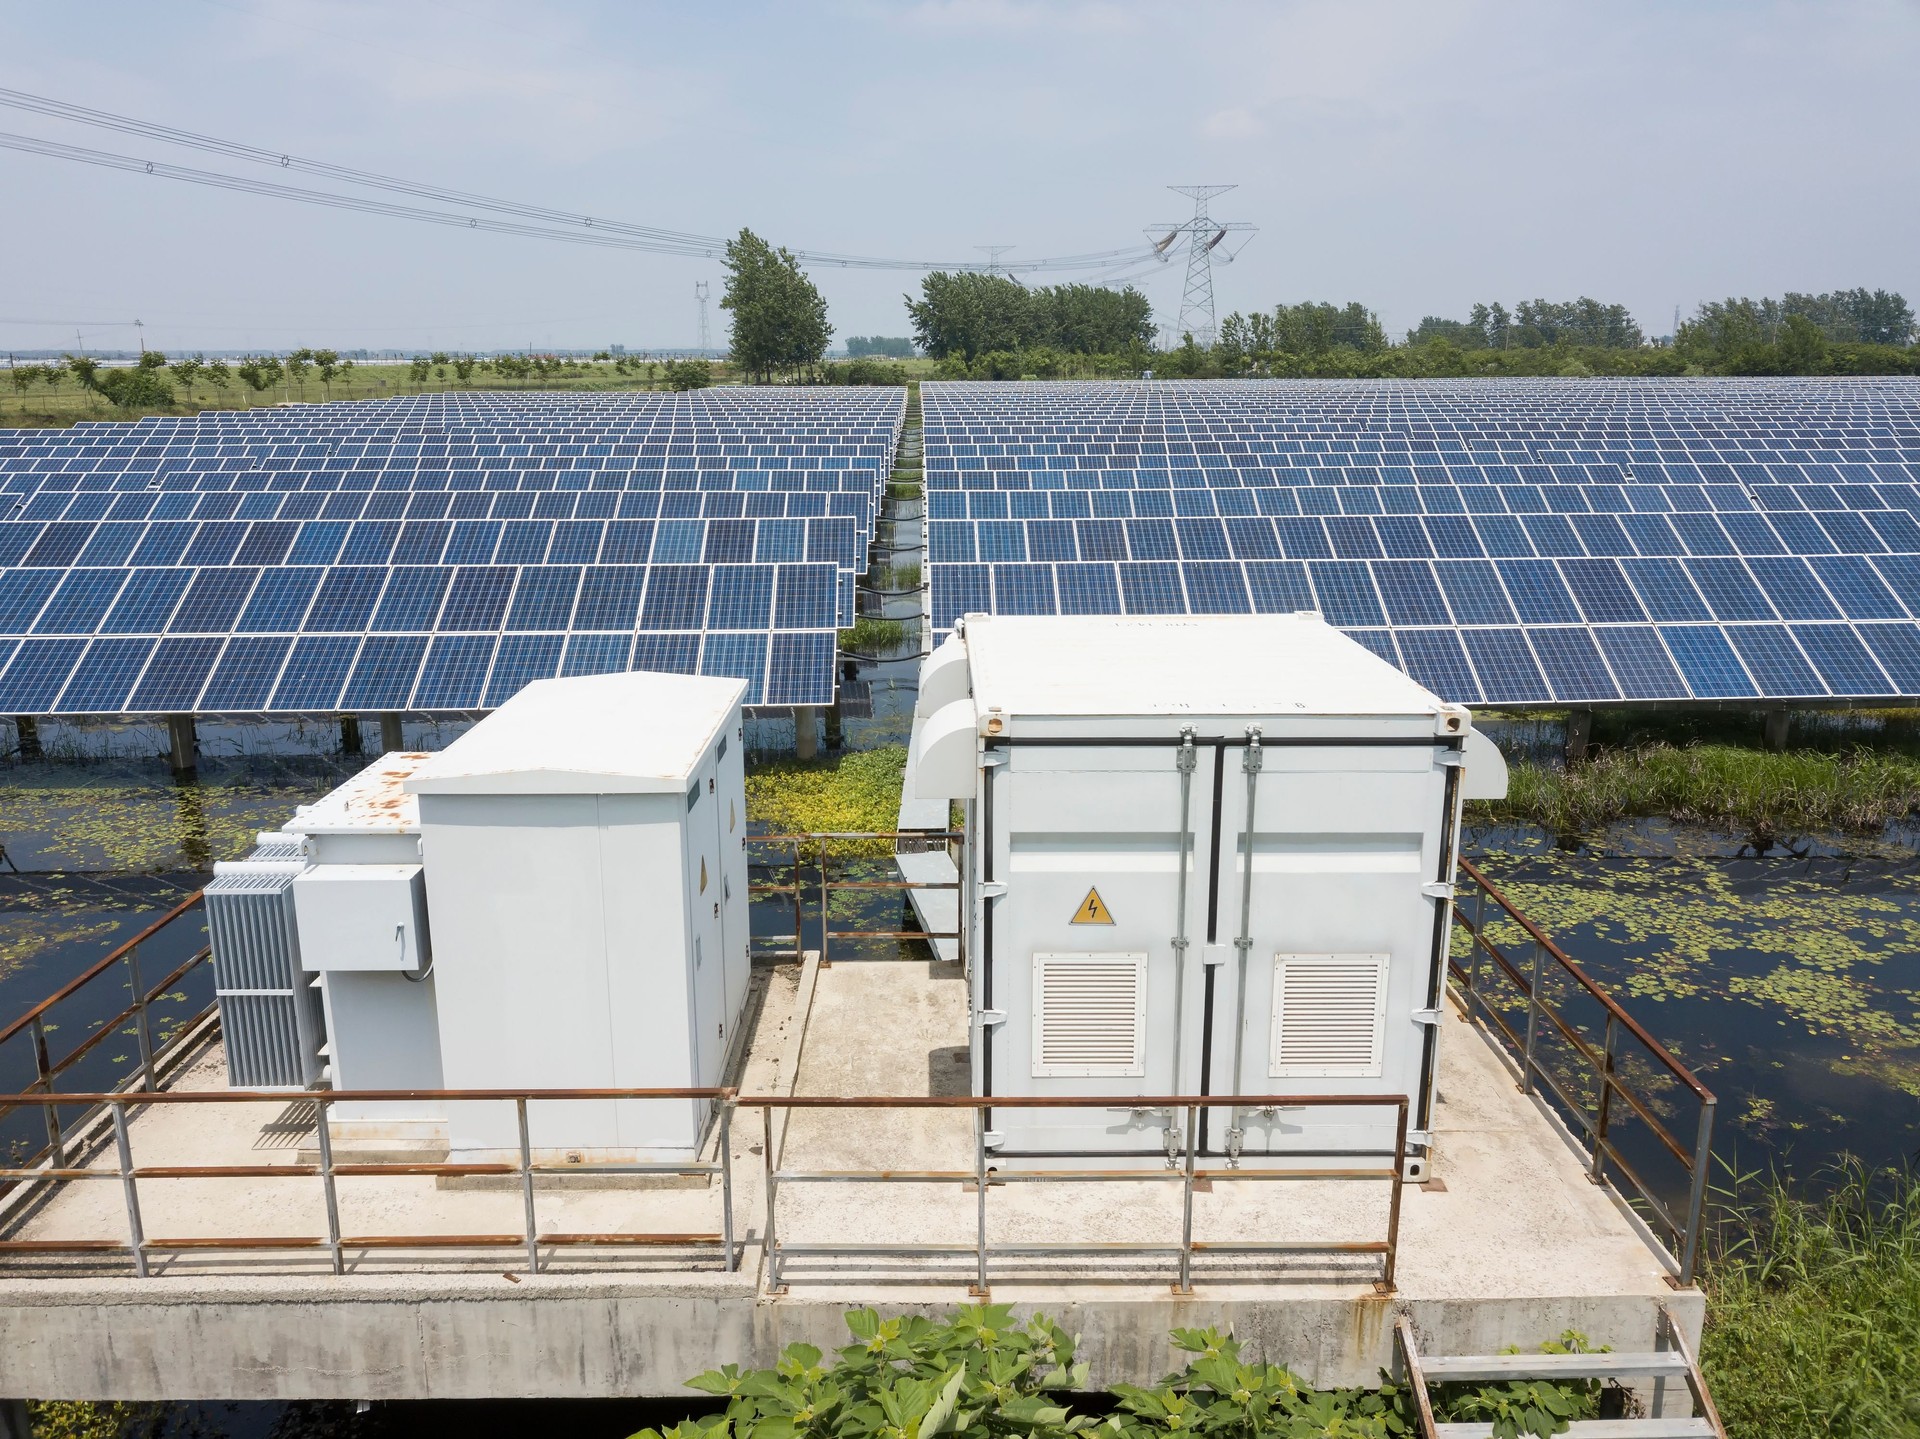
<point x="1521" y="977"/>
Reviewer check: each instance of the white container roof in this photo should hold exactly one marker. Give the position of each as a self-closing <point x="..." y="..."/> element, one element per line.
<point x="374" y="801"/>
<point x="1084" y="665"/>
<point x="636" y="733"/>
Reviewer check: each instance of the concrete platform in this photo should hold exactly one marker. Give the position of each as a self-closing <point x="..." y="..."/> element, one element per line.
<point x="1517" y="1247"/>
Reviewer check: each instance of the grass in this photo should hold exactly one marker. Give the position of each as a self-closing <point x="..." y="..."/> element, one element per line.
<point x="1813" y="1311"/>
<point x="894" y="577"/>
<point x="1760" y="792"/>
<point x="873" y="636"/>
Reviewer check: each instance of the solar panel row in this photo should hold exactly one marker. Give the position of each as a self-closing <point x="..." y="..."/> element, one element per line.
<point x="1503" y="542"/>
<point x="437" y="553"/>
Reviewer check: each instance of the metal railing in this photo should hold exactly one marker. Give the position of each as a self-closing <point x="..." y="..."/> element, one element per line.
<point x="984" y="1176"/>
<point x="1514" y="996"/>
<point x="329" y="1171"/>
<point x="183" y="926"/>
<point x="823" y="884"/>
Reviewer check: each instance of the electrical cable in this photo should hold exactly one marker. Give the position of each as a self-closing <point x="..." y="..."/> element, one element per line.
<point x="658" y="240"/>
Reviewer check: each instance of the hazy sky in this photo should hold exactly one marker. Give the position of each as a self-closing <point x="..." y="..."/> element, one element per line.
<point x="1414" y="156"/>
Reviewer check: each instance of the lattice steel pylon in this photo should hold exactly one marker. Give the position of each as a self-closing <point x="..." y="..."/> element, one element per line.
<point x="1204" y="235"/>
<point x="700" y="294"/>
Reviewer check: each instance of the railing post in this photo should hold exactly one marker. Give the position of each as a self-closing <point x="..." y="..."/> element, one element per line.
<point x="726" y="1180"/>
<point x="826" y="915"/>
<point x="1697" y="1199"/>
<point x="526" y="1184"/>
<point x="1397" y="1180"/>
<point x="1603" y="1107"/>
<point x="1533" y="1018"/>
<point x="1185" y="1285"/>
<point x="129" y="1188"/>
<point x="43" y="1075"/>
<point x="979" y="1286"/>
<point x="766" y="1162"/>
<point x="799" y="908"/>
<point x="1479" y="943"/>
<point x="323" y="1134"/>
<point x="143" y="1025"/>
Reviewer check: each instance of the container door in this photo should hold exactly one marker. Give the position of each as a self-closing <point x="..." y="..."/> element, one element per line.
<point x="1324" y="998"/>
<point x="704" y="888"/>
<point x="1083" y="964"/>
<point x="729" y="813"/>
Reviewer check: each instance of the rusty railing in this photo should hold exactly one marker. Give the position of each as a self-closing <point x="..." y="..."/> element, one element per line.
<point x="158" y="1049"/>
<point x="823" y="885"/>
<point x="1525" y="977"/>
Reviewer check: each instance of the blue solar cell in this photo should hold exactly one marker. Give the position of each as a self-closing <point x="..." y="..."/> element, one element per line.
<point x="737" y="656"/>
<point x="543" y="599"/>
<point x="596" y="654"/>
<point x="800" y="670"/>
<point x="1435" y="659"/>
<point x="1474" y="592"/>
<point x="103" y="678"/>
<point x="520" y="660"/>
<point x="740" y="598"/>
<point x="1023" y="590"/>
<point x="346" y="598"/>
<point x="1410" y="595"/>
<point x="213" y="601"/>
<point x="1572" y="664"/>
<point x="1842" y="660"/>
<point x="1049" y="541"/>
<point x="1505" y="665"/>
<point x="315" y="672"/>
<point x="959" y="590"/>
<point x="79" y="604"/>
<point x="1729" y="589"/>
<point x="1775" y="661"/>
<point x="455" y="672"/>
<point x="1088" y="589"/>
<point x="1353" y="537"/>
<point x="176" y="674"/>
<point x="37" y="673"/>
<point x="1151" y="589"/>
<point x="1380" y="642"/>
<point x="58" y="545"/>
<point x="1707" y="661"/>
<point x="1853" y="582"/>
<point x="1215" y="589"/>
<point x="1902" y="574"/>
<point x="1540" y="596"/>
<point x="1639" y="662"/>
<point x="667" y="654"/>
<point x="1346" y="594"/>
<point x="1896" y="647"/>
<point x="1601" y="590"/>
<point x="1252" y="538"/>
<point x="383" y="674"/>
<point x="245" y="676"/>
<point x="146" y="602"/>
<point x="1303" y="539"/>
<point x="1278" y="587"/>
<point x="476" y="600"/>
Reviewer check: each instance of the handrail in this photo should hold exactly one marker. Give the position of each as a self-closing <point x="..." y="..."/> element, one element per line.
<point x="1599" y="1148"/>
<point x="1572" y="967"/>
<point x="100" y="967"/>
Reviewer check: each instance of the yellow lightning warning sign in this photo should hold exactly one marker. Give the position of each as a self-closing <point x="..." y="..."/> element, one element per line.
<point x="1093" y="910"/>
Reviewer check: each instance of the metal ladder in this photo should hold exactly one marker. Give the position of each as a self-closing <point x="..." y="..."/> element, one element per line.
<point x="1672" y="1361"/>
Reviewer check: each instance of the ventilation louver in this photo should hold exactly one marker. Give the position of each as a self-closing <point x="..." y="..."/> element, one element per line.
<point x="1329" y="1015"/>
<point x="1089" y="1014"/>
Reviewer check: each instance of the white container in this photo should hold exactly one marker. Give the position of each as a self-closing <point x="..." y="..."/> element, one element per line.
<point x="1113" y="770"/>
<point x="587" y="886"/>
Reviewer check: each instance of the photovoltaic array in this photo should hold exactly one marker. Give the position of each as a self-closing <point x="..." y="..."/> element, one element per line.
<point x="435" y="553"/>
<point x="1503" y="542"/>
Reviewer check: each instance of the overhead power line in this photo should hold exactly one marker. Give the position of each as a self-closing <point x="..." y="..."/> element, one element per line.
<point x="575" y="227"/>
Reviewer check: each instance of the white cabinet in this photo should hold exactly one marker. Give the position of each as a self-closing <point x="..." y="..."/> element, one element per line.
<point x="363" y="917"/>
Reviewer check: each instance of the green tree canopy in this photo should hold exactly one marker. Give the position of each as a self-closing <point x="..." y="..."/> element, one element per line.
<point x="969" y="314"/>
<point x="779" y="317"/>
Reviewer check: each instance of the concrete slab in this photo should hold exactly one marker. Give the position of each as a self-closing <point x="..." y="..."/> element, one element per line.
<point x="1517" y="1248"/>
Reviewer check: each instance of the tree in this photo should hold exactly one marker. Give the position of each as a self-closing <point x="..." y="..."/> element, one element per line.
<point x="219" y="376"/>
<point x="779" y="317"/>
<point x="52" y="372"/>
<point x="463" y="367"/>
<point x="23" y="376"/>
<point x="327" y="362"/>
<point x="261" y="372"/>
<point x="184" y="370"/>
<point x="419" y="369"/>
<point x="970" y="314"/>
<point x="84" y="369"/>
<point x="138" y="388"/>
<point x="864" y="347"/>
<point x="297" y="364"/>
<point x="688" y="374"/>
<point x="152" y="360"/>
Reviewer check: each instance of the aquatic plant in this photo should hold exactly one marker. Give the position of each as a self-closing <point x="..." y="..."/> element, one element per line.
<point x="1758" y="792"/>
<point x="1813" y="1307"/>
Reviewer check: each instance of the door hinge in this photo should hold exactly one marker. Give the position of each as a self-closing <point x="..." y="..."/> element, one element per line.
<point x="1426" y="1016"/>
<point x="1450" y="759"/>
<point x="991" y="889"/>
<point x="994" y="1138"/>
<point x="992" y="759"/>
<point x="993" y="1016"/>
<point x="1437" y="889"/>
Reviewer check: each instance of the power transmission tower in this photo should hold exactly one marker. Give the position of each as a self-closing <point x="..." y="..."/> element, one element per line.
<point x="1204" y="235"/>
<point x="993" y="253"/>
<point x="700" y="294"/>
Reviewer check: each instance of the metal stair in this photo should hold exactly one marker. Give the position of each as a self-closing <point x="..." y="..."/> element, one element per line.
<point x="1674" y="1361"/>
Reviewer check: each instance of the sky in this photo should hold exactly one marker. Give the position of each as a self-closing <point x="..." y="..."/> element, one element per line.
<point x="1416" y="157"/>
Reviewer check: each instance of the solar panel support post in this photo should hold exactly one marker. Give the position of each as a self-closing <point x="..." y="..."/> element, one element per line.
<point x="806" y="734"/>
<point x="834" y="733"/>
<point x="350" y="741"/>
<point x="184" y="745"/>
<point x="26" y="730"/>
<point x="1579" y="734"/>
<point x="1775" y="732"/>
<point x="391" y="736"/>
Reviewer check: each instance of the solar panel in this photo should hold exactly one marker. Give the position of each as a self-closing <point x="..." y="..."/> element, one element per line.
<point x="1516" y="542"/>
<point x="436" y="552"/>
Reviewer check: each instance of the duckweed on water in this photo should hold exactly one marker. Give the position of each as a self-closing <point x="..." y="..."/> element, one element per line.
<point x="125" y="827"/>
<point x="856" y="790"/>
<point x="1755" y="791"/>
